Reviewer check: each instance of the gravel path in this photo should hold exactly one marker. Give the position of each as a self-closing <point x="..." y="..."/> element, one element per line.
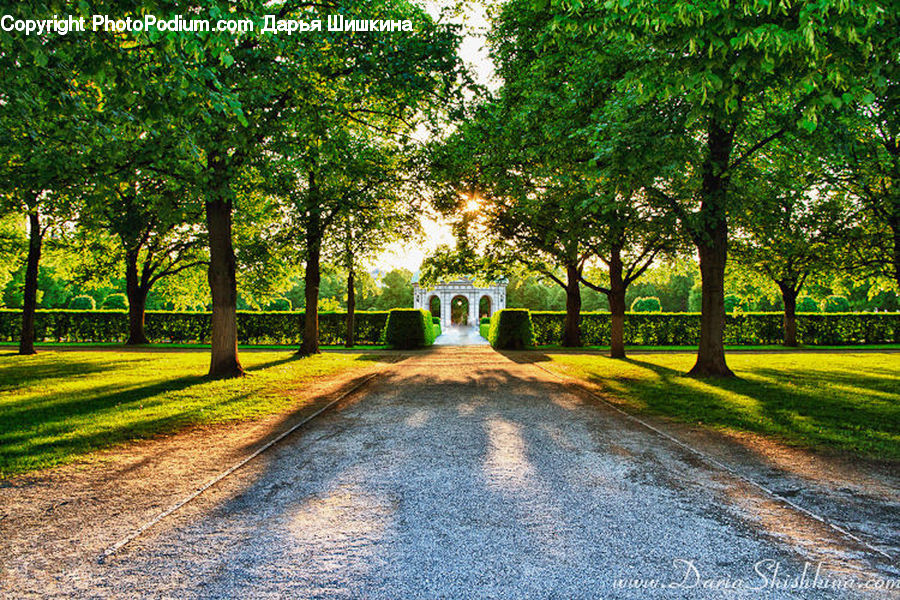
<point x="462" y="474"/>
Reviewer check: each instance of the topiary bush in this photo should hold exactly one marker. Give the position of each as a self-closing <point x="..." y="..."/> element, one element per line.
<point x="279" y="305"/>
<point x="409" y="328"/>
<point x="732" y="301"/>
<point x="115" y="302"/>
<point x="835" y="304"/>
<point x="648" y="304"/>
<point x="511" y="329"/>
<point x="807" y="305"/>
<point x="82" y="303"/>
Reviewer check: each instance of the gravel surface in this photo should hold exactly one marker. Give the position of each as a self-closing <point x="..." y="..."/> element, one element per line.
<point x="462" y="474"/>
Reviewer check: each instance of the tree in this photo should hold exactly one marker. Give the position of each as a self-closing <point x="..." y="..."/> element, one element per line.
<point x="792" y="226"/>
<point x="157" y="231"/>
<point x="46" y="128"/>
<point x="730" y="77"/>
<point x="396" y="290"/>
<point x="384" y="86"/>
<point x="545" y="206"/>
<point x="359" y="235"/>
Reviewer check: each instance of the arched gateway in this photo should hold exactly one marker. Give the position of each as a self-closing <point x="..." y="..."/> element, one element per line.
<point x="439" y="299"/>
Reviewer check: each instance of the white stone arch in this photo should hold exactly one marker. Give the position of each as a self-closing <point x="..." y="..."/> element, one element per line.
<point x="445" y="292"/>
<point x="490" y="305"/>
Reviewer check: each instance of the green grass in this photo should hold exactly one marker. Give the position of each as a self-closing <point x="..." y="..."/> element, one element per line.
<point x="51" y="345"/>
<point x="58" y="406"/>
<point x="841" y="401"/>
<point x="735" y="348"/>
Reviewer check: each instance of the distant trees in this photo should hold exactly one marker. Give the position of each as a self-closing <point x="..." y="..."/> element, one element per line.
<point x="791" y="224"/>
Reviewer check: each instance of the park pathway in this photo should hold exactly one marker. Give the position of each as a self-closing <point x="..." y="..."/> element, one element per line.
<point x="464" y="474"/>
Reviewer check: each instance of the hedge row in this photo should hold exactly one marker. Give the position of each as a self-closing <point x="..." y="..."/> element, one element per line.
<point x="683" y="329"/>
<point x="650" y="329"/>
<point x="189" y="327"/>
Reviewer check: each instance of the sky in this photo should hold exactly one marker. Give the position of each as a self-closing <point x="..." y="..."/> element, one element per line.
<point x="408" y="254"/>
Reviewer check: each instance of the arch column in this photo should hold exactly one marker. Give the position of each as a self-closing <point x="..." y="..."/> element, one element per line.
<point x="445" y="309"/>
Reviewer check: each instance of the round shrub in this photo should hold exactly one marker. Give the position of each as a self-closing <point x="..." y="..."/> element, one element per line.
<point x="409" y="328"/>
<point x="835" y="304"/>
<point x="511" y="329"/>
<point x="807" y="304"/>
<point x="115" y="302"/>
<point x="280" y="305"/>
<point x="82" y="303"/>
<point x="732" y="301"/>
<point x="648" y="304"/>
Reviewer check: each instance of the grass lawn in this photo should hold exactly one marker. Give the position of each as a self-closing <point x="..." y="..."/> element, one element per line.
<point x="844" y="401"/>
<point x="58" y="406"/>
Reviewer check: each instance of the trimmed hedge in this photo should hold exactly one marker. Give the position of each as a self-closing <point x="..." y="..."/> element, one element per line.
<point x="511" y="329"/>
<point x="82" y="303"/>
<point x="648" y="304"/>
<point x="115" y="302"/>
<point x="683" y="329"/>
<point x="409" y="328"/>
<point x="190" y="327"/>
<point x="649" y="329"/>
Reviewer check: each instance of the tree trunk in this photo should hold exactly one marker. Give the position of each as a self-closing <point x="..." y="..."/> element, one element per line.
<point x="789" y="296"/>
<point x="224" y="360"/>
<point x="310" y="343"/>
<point x="616" y="306"/>
<point x="137" y="301"/>
<point x="711" y="238"/>
<point x="572" y="333"/>
<point x="894" y="223"/>
<point x="29" y="300"/>
<point x="351" y="309"/>
<point x="711" y="352"/>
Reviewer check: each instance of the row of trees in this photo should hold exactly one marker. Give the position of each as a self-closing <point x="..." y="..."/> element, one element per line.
<point x="70" y="277"/>
<point x="246" y="153"/>
<point x="628" y="130"/>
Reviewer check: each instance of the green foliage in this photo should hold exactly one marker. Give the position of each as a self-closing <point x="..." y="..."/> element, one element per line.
<point x="115" y="302"/>
<point x="683" y="329"/>
<point x="806" y="304"/>
<point x="835" y="304"/>
<point x="647" y="304"/>
<point x="396" y="290"/>
<point x="732" y="301"/>
<point x="409" y="328"/>
<point x="511" y="329"/>
<point x="280" y="305"/>
<point x="82" y="302"/>
<point x="255" y="328"/>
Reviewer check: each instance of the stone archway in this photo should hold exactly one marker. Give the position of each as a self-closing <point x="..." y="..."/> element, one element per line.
<point x="484" y="307"/>
<point x="444" y="293"/>
<point x="459" y="310"/>
<point x="434" y="305"/>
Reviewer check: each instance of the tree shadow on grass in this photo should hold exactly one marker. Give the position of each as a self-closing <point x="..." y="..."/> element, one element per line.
<point x="60" y="417"/>
<point x="791" y="404"/>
